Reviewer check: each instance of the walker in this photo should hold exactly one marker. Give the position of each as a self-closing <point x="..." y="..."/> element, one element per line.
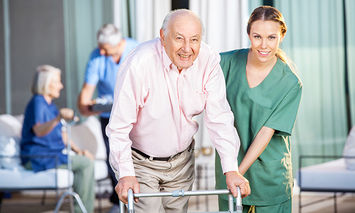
<point x="182" y="193"/>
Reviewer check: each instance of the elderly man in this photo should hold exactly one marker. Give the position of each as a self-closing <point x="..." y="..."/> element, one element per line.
<point x="102" y="70"/>
<point x="167" y="82"/>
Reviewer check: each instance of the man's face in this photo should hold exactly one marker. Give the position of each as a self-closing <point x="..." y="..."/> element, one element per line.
<point x="183" y="40"/>
<point x="108" y="49"/>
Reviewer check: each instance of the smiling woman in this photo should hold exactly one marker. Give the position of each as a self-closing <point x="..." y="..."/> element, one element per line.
<point x="264" y="94"/>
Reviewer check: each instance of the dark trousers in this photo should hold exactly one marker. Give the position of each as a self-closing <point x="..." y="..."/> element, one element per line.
<point x="114" y="197"/>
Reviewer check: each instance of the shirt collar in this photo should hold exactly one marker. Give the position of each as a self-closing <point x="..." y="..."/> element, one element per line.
<point x="167" y="63"/>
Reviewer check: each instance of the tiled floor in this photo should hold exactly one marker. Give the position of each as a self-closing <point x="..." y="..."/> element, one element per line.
<point x="31" y="203"/>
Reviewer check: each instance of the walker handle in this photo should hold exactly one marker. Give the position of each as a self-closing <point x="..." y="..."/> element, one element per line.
<point x="238" y="203"/>
<point x="130" y="201"/>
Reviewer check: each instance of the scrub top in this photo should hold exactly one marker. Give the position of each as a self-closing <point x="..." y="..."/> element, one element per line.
<point x="102" y="70"/>
<point x="51" y="144"/>
<point x="274" y="104"/>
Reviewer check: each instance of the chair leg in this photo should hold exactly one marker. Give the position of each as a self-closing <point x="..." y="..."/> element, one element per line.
<point x="43" y="197"/>
<point x="335" y="202"/>
<point x="100" y="196"/>
<point x="1" y="196"/>
<point x="71" y="201"/>
<point x="299" y="202"/>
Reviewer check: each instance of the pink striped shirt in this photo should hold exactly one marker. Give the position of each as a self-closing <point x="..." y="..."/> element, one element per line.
<point x="154" y="106"/>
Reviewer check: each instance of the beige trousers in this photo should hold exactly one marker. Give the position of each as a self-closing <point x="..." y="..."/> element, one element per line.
<point x="164" y="176"/>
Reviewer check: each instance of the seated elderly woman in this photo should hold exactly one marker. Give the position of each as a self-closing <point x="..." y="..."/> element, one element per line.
<point x="42" y="134"/>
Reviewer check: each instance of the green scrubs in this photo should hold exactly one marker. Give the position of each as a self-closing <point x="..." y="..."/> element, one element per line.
<point x="274" y="104"/>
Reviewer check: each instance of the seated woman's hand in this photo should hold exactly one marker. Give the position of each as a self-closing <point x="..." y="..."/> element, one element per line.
<point x="66" y="113"/>
<point x="88" y="154"/>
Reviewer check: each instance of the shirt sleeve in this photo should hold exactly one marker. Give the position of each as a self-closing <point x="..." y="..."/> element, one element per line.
<point x="283" y="117"/>
<point x="219" y="119"/>
<point x="127" y="102"/>
<point x="92" y="70"/>
<point x="37" y="111"/>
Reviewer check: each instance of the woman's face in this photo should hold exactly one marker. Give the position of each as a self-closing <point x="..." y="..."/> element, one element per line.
<point x="55" y="86"/>
<point x="265" y="38"/>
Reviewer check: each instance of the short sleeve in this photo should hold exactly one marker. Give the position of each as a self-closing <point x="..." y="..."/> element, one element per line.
<point x="282" y="119"/>
<point x="38" y="112"/>
<point x="92" y="69"/>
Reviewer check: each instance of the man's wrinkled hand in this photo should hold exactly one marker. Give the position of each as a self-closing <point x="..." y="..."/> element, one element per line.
<point x="125" y="183"/>
<point x="235" y="179"/>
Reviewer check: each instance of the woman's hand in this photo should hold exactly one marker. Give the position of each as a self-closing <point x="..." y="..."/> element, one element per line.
<point x="87" y="154"/>
<point x="66" y="114"/>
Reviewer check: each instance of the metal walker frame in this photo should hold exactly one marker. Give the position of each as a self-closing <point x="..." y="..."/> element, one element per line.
<point x="182" y="193"/>
<point x="69" y="192"/>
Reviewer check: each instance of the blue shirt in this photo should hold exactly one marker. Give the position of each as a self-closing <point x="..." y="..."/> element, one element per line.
<point x="102" y="71"/>
<point x="39" y="111"/>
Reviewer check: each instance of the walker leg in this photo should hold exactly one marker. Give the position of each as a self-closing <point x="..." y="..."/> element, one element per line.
<point x="77" y="198"/>
<point x="230" y="203"/>
<point x="59" y="204"/>
<point x="121" y="207"/>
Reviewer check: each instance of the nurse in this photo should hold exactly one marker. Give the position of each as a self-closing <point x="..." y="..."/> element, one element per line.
<point x="264" y="93"/>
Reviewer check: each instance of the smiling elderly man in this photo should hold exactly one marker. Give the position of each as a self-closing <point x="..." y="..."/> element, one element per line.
<point x="167" y="82"/>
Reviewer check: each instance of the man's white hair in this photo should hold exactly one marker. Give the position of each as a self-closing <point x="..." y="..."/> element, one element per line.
<point x="109" y="34"/>
<point x="172" y="14"/>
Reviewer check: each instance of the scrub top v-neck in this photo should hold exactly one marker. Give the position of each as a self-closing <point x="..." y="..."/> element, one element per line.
<point x="272" y="103"/>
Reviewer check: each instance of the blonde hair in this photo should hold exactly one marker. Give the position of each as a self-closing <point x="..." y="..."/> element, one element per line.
<point x="43" y="76"/>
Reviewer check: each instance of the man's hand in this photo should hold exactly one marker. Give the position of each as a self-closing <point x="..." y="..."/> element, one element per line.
<point x="125" y="183"/>
<point x="85" y="100"/>
<point x="234" y="179"/>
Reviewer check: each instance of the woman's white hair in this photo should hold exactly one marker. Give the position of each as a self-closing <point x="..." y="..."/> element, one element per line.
<point x="172" y="14"/>
<point x="42" y="79"/>
<point x="109" y="34"/>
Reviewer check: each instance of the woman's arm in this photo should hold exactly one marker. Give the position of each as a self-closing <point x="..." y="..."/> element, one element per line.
<point x="259" y="144"/>
<point x="42" y="129"/>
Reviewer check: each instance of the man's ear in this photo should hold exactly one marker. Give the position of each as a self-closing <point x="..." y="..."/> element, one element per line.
<point x="162" y="38"/>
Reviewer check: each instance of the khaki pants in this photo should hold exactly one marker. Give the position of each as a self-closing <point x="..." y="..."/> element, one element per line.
<point x="164" y="176"/>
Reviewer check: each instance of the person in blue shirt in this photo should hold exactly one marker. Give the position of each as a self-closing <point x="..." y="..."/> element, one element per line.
<point x="101" y="71"/>
<point x="42" y="135"/>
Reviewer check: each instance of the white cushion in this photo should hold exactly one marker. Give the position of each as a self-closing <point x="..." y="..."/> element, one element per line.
<point x="331" y="175"/>
<point x="84" y="138"/>
<point x="100" y="170"/>
<point x="10" y="126"/>
<point x="9" y="152"/>
<point x="88" y="136"/>
<point x="95" y="126"/>
<point x="20" y="179"/>
<point x="349" y="150"/>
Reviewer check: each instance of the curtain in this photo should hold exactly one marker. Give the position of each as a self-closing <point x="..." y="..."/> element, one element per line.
<point x="140" y="19"/>
<point x="315" y="42"/>
<point x="82" y="20"/>
<point x="224" y="24"/>
<point x="350" y="17"/>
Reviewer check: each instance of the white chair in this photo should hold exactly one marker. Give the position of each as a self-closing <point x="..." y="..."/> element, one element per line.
<point x="331" y="176"/>
<point x="13" y="177"/>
